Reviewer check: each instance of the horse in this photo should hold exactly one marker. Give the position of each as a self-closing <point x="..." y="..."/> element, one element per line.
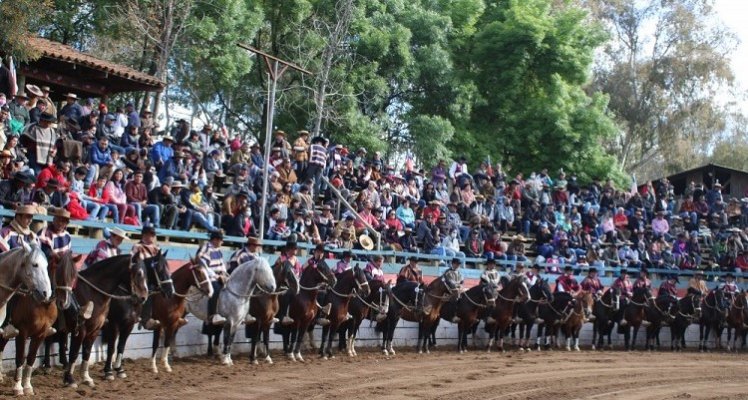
<point x="234" y="299"/>
<point x="438" y="292"/>
<point x="33" y="319"/>
<point x="265" y="307"/>
<point x="713" y="315"/>
<point x="349" y="284"/>
<point x="687" y="310"/>
<point x="515" y="291"/>
<point x="527" y="312"/>
<point x="550" y="314"/>
<point x="170" y="310"/>
<point x="98" y="284"/>
<point x="737" y="320"/>
<point x="658" y="313"/>
<point x="23" y="267"/>
<point x="124" y="314"/>
<point x="407" y="301"/>
<point x="605" y="310"/>
<point x="361" y="308"/>
<point x="634" y="314"/>
<point x="573" y="322"/>
<point x="303" y="307"/>
<point x="479" y="299"/>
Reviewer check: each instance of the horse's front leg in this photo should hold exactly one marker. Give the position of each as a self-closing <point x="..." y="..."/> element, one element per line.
<point x="20" y="359"/>
<point x="75" y="346"/>
<point x="323" y="342"/>
<point x="29" y="367"/>
<point x="124" y="334"/>
<point x="298" y="339"/>
<point x="87" y="346"/>
<point x="229" y="331"/>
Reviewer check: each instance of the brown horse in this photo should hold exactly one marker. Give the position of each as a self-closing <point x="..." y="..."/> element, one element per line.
<point x="573" y="322"/>
<point x="634" y="315"/>
<point x="479" y="299"/>
<point x="737" y="320"/>
<point x="97" y="284"/>
<point x="350" y="283"/>
<point x="438" y="293"/>
<point x="303" y="307"/>
<point x="361" y="308"/>
<point x="265" y="307"/>
<point x="514" y="291"/>
<point x="34" y="319"/>
<point x="170" y="311"/>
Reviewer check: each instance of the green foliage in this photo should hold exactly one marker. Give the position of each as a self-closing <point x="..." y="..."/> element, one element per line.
<point x="21" y="18"/>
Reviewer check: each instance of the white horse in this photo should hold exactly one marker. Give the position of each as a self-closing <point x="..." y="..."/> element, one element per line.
<point x="234" y="299"/>
<point x="24" y="267"/>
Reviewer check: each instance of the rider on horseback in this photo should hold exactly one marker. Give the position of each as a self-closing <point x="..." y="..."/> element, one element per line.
<point x="453" y="278"/>
<point x="147" y="248"/>
<point x="729" y="287"/>
<point x="288" y="255"/>
<point x="533" y="275"/>
<point x="373" y="269"/>
<point x="592" y="284"/>
<point x="696" y="284"/>
<point x="643" y="280"/>
<point x="106" y="248"/>
<point x="319" y="258"/>
<point x="624" y="284"/>
<point x="247" y="253"/>
<point x="212" y="255"/>
<point x="410" y="272"/>
<point x="568" y="285"/>
<point x="668" y="287"/>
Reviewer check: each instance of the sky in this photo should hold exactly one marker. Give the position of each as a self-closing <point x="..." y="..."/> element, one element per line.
<point x="734" y="14"/>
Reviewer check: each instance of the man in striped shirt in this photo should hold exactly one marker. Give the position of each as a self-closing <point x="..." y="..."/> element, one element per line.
<point x="248" y="252"/>
<point x="106" y="248"/>
<point x="55" y="238"/>
<point x="317" y="161"/>
<point x="210" y="253"/>
<point x="147" y="248"/>
<point x="11" y="235"/>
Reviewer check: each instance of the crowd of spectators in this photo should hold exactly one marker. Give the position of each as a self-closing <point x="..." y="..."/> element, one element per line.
<point x="114" y="164"/>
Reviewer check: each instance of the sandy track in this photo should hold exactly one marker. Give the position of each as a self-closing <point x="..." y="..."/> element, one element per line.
<point x="439" y="375"/>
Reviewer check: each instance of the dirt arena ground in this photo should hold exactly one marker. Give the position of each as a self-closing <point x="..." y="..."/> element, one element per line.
<point x="442" y="374"/>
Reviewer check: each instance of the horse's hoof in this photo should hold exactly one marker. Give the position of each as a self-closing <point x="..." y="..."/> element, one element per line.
<point x="28" y="391"/>
<point x="593" y="347"/>
<point x="521" y="349"/>
<point x="18" y="392"/>
<point x="167" y="368"/>
<point x="268" y="360"/>
<point x="121" y="375"/>
<point x="323" y="357"/>
<point x="254" y="362"/>
<point x="576" y="348"/>
<point x="298" y="357"/>
<point x="291" y="357"/>
<point x="110" y="377"/>
<point x="385" y="352"/>
<point x="90" y="383"/>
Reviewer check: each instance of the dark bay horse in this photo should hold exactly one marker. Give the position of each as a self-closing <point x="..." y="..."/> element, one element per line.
<point x="362" y="308"/>
<point x="605" y="310"/>
<point x="303" y="307"/>
<point x="716" y="305"/>
<point x="550" y="316"/>
<point x="265" y="307"/>
<point x="634" y="314"/>
<point x="514" y="292"/>
<point x="34" y="319"/>
<point x="527" y="312"/>
<point x="350" y="283"/>
<point x="124" y="314"/>
<point x="737" y="320"/>
<point x="687" y="310"/>
<point x="658" y="313"/>
<point x="573" y="322"/>
<point x="97" y="284"/>
<point x="170" y="311"/>
<point x="479" y="299"/>
<point x="437" y="293"/>
<point x="407" y="299"/>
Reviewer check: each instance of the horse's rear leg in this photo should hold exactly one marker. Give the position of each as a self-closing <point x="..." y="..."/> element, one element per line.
<point x="170" y="338"/>
<point x="154" y="349"/>
<point x="297" y="345"/>
<point x="323" y="342"/>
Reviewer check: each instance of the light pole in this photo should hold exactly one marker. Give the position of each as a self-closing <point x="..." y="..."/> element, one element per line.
<point x="276" y="68"/>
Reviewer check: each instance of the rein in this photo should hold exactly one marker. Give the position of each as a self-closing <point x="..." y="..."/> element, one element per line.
<point x="366" y="303"/>
<point x="197" y="282"/>
<point x="345" y="296"/>
<point x="467" y="296"/>
<point x="111" y="296"/>
<point x="265" y="292"/>
<point x="405" y="306"/>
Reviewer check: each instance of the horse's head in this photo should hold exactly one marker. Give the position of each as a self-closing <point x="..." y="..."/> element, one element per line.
<point x="490" y="292"/>
<point x="721" y="300"/>
<point x="285" y="277"/>
<point x="34" y="271"/>
<point x="691" y="305"/>
<point x="201" y="277"/>
<point x="323" y="275"/>
<point x="516" y="289"/>
<point x="641" y="294"/>
<point x="263" y="275"/>
<point x="541" y="290"/>
<point x="614" y="295"/>
<point x="362" y="284"/>
<point x="159" y="277"/>
<point x="65" y="274"/>
<point x="585" y="300"/>
<point x="138" y="279"/>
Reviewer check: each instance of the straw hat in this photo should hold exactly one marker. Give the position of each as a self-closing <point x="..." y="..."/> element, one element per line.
<point x="33" y="89"/>
<point x="365" y="241"/>
<point x="118" y="232"/>
<point x="26" y="209"/>
<point x="60" y="212"/>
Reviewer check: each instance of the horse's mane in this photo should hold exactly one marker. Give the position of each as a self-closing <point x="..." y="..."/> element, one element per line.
<point x="66" y="267"/>
<point x="105" y="264"/>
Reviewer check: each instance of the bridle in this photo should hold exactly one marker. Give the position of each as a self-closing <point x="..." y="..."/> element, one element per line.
<point x="321" y="285"/>
<point x="197" y="282"/>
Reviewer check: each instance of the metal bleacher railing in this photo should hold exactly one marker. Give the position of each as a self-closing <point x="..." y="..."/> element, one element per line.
<point x="475" y="263"/>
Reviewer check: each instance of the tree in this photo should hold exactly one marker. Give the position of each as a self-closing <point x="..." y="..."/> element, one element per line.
<point x="532" y="63"/>
<point x="663" y="70"/>
<point x="21" y="18"/>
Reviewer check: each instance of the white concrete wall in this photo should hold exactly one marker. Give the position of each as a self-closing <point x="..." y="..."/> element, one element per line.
<point x="191" y="342"/>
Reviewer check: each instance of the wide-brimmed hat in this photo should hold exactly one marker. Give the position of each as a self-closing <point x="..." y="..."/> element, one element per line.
<point x="148" y="229"/>
<point x="291" y="244"/>
<point x="320" y="247"/>
<point x="253" y="241"/>
<point x="279" y="132"/>
<point x="118" y="232"/>
<point x="24" y="177"/>
<point x="59" y="212"/>
<point x="71" y="96"/>
<point x="366" y="242"/>
<point x="168" y="137"/>
<point x="26" y="209"/>
<point x="33" y="89"/>
<point x="592" y="269"/>
<point x="46" y="89"/>
<point x="21" y="95"/>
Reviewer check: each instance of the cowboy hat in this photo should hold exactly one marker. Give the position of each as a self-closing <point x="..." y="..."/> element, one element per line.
<point x="148" y="228"/>
<point x="46" y="89"/>
<point x="21" y="95"/>
<point x="346" y="254"/>
<point x="253" y="241"/>
<point x="53" y="183"/>
<point x="33" y="89"/>
<point x="71" y="96"/>
<point x="168" y="137"/>
<point x="26" y="209"/>
<point x="291" y="244"/>
<point x="365" y="241"/>
<point x="118" y="232"/>
<point x="24" y="177"/>
<point x="59" y="212"/>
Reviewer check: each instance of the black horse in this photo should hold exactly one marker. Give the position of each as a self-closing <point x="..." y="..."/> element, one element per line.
<point x="713" y="317"/>
<point x="124" y="314"/>
<point x="658" y="314"/>
<point x="407" y="299"/>
<point x="527" y="312"/>
<point x="551" y="313"/>
<point x="634" y="314"/>
<point x="686" y="311"/>
<point x="604" y="310"/>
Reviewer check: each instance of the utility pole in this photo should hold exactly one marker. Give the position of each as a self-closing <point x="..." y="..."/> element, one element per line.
<point x="276" y="68"/>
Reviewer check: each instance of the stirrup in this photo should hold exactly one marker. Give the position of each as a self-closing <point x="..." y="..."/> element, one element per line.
<point x="152" y="324"/>
<point x="456" y="320"/>
<point x="326" y="309"/>
<point x="287" y="320"/>
<point x="217" y="319"/>
<point x="50" y="331"/>
<point x="591" y="318"/>
<point x="10" y="332"/>
<point x="646" y="323"/>
<point x="323" y="321"/>
<point x="181" y="322"/>
<point x="274" y="320"/>
<point x="87" y="310"/>
<point x="348" y="316"/>
<point x="490" y="320"/>
<point x="249" y="319"/>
